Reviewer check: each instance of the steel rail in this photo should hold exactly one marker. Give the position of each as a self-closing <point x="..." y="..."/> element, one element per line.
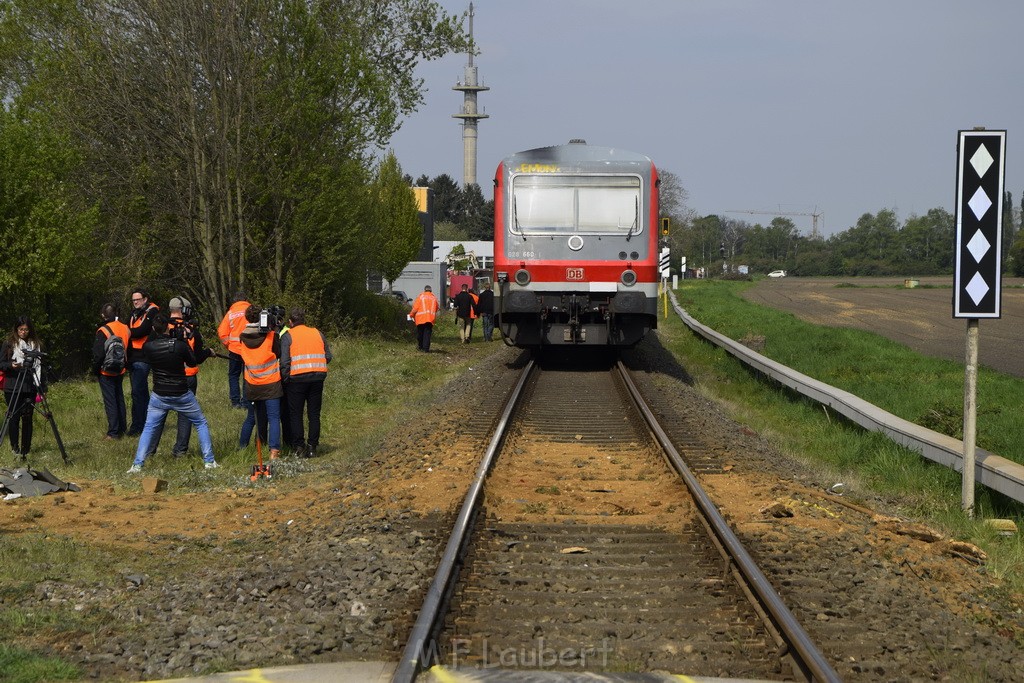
<point x="806" y="655"/>
<point x="425" y="628"/>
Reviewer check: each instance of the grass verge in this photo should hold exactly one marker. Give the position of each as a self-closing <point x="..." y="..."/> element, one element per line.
<point x="924" y="390"/>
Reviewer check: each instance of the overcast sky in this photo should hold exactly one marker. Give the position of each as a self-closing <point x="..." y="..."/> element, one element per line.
<point x="842" y="108"/>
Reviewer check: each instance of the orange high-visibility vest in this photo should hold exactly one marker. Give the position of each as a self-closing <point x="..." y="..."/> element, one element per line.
<point x="261" y="365"/>
<point x="307" y="352"/>
<point x="424" y="308"/>
<point x="193" y="371"/>
<point x="122" y="331"/>
<point x="134" y="322"/>
<point x="476" y="300"/>
<point x="231" y="326"/>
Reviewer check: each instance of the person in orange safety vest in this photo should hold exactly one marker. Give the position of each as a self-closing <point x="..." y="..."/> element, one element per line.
<point x="140" y="323"/>
<point x="229" y="331"/>
<point x="424" y="311"/>
<point x="111" y="382"/>
<point x="261" y="353"/>
<point x="305" y="354"/>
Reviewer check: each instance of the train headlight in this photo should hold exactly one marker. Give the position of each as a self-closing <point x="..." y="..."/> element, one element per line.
<point x="628" y="277"/>
<point x="522" y="277"/>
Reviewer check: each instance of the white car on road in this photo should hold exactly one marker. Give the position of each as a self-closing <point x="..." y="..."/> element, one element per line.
<point x="777" y="273"/>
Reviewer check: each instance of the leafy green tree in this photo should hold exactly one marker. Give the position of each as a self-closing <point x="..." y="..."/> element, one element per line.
<point x="927" y="241"/>
<point x="1009" y="233"/>
<point x="48" y="263"/>
<point x="447" y="199"/>
<point x="396" y="223"/>
<point x="228" y="142"/>
<point x="1016" y="264"/>
<point x="478" y="214"/>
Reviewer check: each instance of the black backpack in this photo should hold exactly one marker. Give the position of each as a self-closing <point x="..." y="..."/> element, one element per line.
<point x="113" y="352"/>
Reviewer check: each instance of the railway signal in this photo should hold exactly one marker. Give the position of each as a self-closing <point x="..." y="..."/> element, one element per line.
<point x="976" y="293"/>
<point x="979" y="222"/>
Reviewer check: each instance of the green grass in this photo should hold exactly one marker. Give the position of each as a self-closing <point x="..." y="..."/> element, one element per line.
<point x="923" y="390"/>
<point x="18" y="665"/>
<point x="373" y="385"/>
<point x="370" y="383"/>
<point x="926" y="391"/>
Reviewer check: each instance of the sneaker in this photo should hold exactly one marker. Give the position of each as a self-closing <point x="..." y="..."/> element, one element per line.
<point x="134" y="469"/>
<point x="212" y="465"/>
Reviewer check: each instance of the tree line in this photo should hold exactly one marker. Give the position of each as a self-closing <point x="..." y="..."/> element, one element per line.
<point x="878" y="244"/>
<point x="198" y="147"/>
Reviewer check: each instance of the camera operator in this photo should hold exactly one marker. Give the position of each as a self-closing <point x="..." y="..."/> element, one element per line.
<point x="168" y="356"/>
<point x="23" y="379"/>
<point x="182" y="325"/>
<point x="261" y="352"/>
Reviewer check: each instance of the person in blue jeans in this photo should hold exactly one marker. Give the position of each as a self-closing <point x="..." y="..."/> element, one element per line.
<point x="261" y="351"/>
<point x="140" y="325"/>
<point x="167" y="356"/>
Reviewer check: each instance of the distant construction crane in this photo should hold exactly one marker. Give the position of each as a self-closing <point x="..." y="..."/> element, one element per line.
<point x="815" y="216"/>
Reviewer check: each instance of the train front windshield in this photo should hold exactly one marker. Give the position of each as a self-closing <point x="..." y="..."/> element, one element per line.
<point x="568" y="205"/>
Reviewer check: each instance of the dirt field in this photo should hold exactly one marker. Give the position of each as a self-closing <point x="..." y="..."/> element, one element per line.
<point x="922" y="318"/>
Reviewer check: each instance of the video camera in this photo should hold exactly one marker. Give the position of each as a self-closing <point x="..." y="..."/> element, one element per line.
<point x="185" y="326"/>
<point x="271" y="318"/>
<point x="28" y="353"/>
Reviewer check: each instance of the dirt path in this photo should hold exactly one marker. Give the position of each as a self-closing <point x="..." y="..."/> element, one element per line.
<point x="922" y="318"/>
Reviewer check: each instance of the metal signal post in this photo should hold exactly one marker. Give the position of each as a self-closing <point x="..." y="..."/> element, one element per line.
<point x="981" y="160"/>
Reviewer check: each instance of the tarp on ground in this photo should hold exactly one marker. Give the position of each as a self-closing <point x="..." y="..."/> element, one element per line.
<point x="28" y="482"/>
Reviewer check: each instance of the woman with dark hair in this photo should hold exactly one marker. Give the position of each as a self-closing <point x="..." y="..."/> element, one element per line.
<point x="23" y="379"/>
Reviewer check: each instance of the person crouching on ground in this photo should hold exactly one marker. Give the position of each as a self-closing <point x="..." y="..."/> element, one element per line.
<point x="167" y="357"/>
<point x="261" y="352"/>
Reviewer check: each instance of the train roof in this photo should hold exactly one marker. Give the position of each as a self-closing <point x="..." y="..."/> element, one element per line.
<point x="578" y="154"/>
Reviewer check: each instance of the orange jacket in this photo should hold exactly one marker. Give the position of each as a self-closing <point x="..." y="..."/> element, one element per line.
<point x="261" y="365"/>
<point x="137" y="342"/>
<point x="476" y="301"/>
<point x="231" y="326"/>
<point x="122" y="331"/>
<point x="424" y="308"/>
<point x="306" y="351"/>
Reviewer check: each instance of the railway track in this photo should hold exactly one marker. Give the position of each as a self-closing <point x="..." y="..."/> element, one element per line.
<point x="585" y="544"/>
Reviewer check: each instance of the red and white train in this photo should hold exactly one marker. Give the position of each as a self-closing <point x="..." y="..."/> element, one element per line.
<point x="576" y="246"/>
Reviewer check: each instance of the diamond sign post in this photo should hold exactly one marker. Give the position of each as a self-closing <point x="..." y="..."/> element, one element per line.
<point x="977" y="288"/>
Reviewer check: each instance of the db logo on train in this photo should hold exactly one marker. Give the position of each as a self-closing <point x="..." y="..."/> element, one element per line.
<point x="573" y="273"/>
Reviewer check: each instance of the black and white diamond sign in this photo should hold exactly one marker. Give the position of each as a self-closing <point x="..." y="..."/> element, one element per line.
<point x="979" y="223"/>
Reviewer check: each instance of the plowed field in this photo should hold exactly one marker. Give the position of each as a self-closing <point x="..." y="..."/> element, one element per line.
<point x="922" y="317"/>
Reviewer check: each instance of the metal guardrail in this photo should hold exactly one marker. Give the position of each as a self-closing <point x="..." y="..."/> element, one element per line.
<point x="995" y="472"/>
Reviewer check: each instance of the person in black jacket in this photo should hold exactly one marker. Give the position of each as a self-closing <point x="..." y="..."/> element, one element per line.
<point x="485" y="309"/>
<point x="140" y="323"/>
<point x="464" y="313"/>
<point x="167" y="357"/>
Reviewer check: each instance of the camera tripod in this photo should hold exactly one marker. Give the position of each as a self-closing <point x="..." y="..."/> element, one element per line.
<point x="42" y="405"/>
